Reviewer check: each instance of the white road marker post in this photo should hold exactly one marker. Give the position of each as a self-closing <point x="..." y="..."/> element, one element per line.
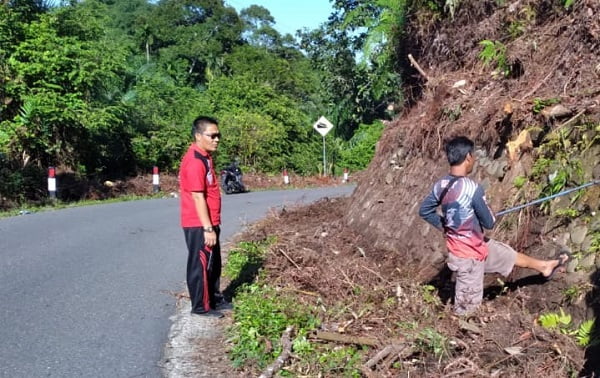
<point x="52" y="182"/>
<point x="155" y="180"/>
<point x="286" y="178"/>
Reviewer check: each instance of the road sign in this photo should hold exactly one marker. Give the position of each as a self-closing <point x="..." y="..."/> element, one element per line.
<point x="323" y="126"/>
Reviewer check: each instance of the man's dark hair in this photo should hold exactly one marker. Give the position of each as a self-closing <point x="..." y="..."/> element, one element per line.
<point x="201" y="123"/>
<point x="458" y="148"/>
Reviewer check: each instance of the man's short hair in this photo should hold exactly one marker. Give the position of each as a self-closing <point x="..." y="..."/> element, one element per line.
<point x="458" y="148"/>
<point x="201" y="123"/>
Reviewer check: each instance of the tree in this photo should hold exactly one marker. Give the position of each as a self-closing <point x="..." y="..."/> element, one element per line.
<point x="354" y="51"/>
<point x="190" y="37"/>
<point x="62" y="71"/>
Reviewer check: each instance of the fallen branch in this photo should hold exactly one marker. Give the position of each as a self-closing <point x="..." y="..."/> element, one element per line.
<point x="346" y="339"/>
<point x="414" y="63"/>
<point x="286" y="343"/>
<point x="385" y="352"/>
<point x="375" y="273"/>
<point x="571" y="119"/>
<point x="471" y="367"/>
<point x="289" y="258"/>
<point x="302" y="292"/>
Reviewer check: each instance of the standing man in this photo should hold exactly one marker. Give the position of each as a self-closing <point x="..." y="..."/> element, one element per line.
<point x="465" y="213"/>
<point x="201" y="216"/>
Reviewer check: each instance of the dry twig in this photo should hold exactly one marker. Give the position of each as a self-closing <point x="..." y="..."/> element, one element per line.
<point x="286" y="343"/>
<point x="346" y="339"/>
<point x="414" y="63"/>
<point x="289" y="258"/>
<point x="389" y="354"/>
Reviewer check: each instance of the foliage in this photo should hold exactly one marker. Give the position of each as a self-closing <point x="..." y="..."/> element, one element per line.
<point x="519" y="181"/>
<point x="539" y="104"/>
<point x="341" y="361"/>
<point x="584" y="334"/>
<point x="431" y="340"/>
<point x="595" y="245"/>
<point x="429" y="293"/>
<point x="371" y="32"/>
<point x="555" y="321"/>
<point x="495" y="52"/>
<point x="358" y="152"/>
<point x="562" y="323"/>
<point x="569" y="213"/>
<point x="245" y="256"/>
<point x="110" y="88"/>
<point x="261" y="315"/>
<point x="451" y="6"/>
<point x="568" y="3"/>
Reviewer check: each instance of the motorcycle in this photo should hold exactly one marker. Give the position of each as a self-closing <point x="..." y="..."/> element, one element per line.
<point x="231" y="179"/>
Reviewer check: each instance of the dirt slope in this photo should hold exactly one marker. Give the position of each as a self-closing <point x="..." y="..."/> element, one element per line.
<point x="372" y="253"/>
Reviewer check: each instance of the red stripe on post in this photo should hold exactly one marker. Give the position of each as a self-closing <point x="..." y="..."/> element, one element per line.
<point x="51" y="172"/>
<point x="155" y="170"/>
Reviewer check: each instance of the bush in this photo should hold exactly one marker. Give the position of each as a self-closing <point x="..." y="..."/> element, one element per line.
<point x="360" y="149"/>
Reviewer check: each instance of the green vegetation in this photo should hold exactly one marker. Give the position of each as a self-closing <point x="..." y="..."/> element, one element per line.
<point x="494" y="52"/>
<point x="108" y="89"/>
<point x="519" y="181"/>
<point x="244" y="258"/>
<point x="568" y="3"/>
<point x="562" y="323"/>
<point x="357" y="153"/>
<point x="261" y="315"/>
<point x="432" y="341"/>
<point x="539" y="104"/>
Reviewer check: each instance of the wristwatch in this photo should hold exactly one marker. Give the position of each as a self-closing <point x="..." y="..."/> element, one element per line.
<point x="209" y="229"/>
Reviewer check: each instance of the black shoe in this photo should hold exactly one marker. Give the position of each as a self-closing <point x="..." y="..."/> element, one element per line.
<point x="224" y="305"/>
<point x="210" y="314"/>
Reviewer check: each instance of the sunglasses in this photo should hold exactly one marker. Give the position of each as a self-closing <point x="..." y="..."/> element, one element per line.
<point x="213" y="136"/>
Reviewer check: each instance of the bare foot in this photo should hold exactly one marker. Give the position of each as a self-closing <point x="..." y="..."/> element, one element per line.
<point x="553" y="266"/>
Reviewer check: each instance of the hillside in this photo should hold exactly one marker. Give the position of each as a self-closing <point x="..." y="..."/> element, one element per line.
<point x="372" y="257"/>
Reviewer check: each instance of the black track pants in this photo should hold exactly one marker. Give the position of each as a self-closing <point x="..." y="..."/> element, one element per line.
<point x="203" y="269"/>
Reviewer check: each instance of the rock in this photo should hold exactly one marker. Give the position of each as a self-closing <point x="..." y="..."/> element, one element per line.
<point x="460" y="83"/>
<point x="560" y="203"/>
<point x="575" y="278"/>
<point x="588" y="262"/>
<point x="587" y="243"/>
<point x="480" y="154"/>
<point x="465" y="326"/>
<point x="483" y="161"/>
<point x="572" y="265"/>
<point x="389" y="178"/>
<point x="562" y="240"/>
<point x="496" y="168"/>
<point x="535" y="133"/>
<point x="556" y="112"/>
<point x="425" y="229"/>
<point x="595" y="224"/>
<point x="578" y="234"/>
<point x="485" y="184"/>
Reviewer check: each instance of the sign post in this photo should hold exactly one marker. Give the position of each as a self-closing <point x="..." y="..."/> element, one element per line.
<point x="323" y="126"/>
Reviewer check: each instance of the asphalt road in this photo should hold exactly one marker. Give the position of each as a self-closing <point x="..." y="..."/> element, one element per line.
<point x="86" y="292"/>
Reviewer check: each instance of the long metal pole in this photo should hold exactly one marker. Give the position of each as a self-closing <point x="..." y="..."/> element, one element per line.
<point x="324" y="158"/>
<point x="595" y="182"/>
